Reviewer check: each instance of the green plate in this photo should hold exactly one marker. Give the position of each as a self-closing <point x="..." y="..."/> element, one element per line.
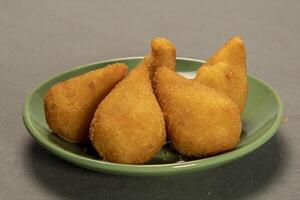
<point x="261" y="118"/>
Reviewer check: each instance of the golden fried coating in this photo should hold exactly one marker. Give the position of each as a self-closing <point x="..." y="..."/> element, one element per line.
<point x="70" y="105"/>
<point x="226" y="71"/>
<point x="164" y="53"/>
<point x="200" y="120"/>
<point x="128" y="126"/>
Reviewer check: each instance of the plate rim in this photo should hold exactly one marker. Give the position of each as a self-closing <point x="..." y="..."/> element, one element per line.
<point x="153" y="169"/>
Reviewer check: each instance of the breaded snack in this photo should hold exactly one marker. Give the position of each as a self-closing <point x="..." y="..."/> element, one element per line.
<point x="164" y="53"/>
<point x="200" y="120"/>
<point x="226" y="71"/>
<point x="70" y="105"/>
<point x="128" y="126"/>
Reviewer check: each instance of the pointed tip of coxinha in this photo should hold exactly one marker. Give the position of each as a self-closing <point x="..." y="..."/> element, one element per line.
<point x="226" y="71"/>
<point x="232" y="52"/>
<point x="164" y="53"/>
<point x="160" y="41"/>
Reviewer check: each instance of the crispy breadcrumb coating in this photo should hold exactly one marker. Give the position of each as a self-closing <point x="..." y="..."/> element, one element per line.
<point x="70" y="105"/>
<point x="200" y="120"/>
<point x="226" y="71"/>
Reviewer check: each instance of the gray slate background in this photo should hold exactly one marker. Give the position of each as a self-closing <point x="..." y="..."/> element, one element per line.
<point x="39" y="39"/>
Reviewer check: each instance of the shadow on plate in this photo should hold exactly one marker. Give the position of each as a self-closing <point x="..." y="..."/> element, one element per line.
<point x="237" y="180"/>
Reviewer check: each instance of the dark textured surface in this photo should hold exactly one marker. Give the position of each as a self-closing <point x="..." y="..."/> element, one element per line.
<point x="41" y="38"/>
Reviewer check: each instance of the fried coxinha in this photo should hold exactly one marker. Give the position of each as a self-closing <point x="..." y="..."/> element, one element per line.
<point x="226" y="72"/>
<point x="201" y="121"/>
<point x="70" y="105"/>
<point x="128" y="126"/>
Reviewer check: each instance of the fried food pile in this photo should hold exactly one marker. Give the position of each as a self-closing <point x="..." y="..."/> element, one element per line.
<point x="128" y="118"/>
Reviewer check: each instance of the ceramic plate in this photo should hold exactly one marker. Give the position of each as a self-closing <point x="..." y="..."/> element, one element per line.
<point x="261" y="119"/>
